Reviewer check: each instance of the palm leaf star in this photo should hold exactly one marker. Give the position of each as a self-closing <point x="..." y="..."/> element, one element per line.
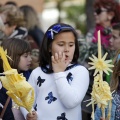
<point x="101" y="94"/>
<point x="100" y="64"/>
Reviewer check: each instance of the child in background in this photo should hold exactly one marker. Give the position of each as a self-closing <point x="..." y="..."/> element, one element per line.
<point x="13" y="21"/>
<point x="115" y="84"/>
<point x="35" y="33"/>
<point x="19" y="52"/>
<point x="115" y="40"/>
<point x="60" y="83"/>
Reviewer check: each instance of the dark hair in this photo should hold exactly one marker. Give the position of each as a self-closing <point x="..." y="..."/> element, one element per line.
<point x="115" y="81"/>
<point x="11" y="3"/>
<point x="15" y="48"/>
<point x="45" y="55"/>
<point x="110" y="5"/>
<point x="116" y="27"/>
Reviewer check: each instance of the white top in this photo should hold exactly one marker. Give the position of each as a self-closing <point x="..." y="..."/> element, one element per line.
<point x="0" y="85"/>
<point x="59" y="95"/>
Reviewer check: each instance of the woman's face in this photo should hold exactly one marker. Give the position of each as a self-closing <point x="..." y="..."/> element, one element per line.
<point x="102" y="16"/>
<point x="8" y="30"/>
<point x="115" y="40"/>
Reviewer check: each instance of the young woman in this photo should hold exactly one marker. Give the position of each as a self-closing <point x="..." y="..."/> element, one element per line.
<point x="60" y="83"/>
<point x="106" y="15"/>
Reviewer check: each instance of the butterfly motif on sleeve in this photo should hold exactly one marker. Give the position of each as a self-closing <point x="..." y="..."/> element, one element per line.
<point x="69" y="77"/>
<point x="35" y="107"/>
<point x="50" y="98"/>
<point x="40" y="81"/>
<point x="62" y="117"/>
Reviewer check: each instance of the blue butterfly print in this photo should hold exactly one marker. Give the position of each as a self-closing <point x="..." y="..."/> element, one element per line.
<point x="35" y="107"/>
<point x="62" y="117"/>
<point x="40" y="81"/>
<point x="50" y="98"/>
<point x="69" y="77"/>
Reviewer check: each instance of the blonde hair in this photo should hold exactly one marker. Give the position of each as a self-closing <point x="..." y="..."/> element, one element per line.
<point x="13" y="15"/>
<point x="30" y="16"/>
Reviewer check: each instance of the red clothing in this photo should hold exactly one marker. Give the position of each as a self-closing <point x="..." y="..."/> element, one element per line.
<point x="104" y="37"/>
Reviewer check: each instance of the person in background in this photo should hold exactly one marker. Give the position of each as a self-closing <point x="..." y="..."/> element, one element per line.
<point x="60" y="83"/>
<point x="35" y="33"/>
<point x="13" y="20"/>
<point x="115" y="39"/>
<point x="106" y="14"/>
<point x="11" y="3"/>
<point x="114" y="84"/>
<point x="19" y="51"/>
<point x="32" y="24"/>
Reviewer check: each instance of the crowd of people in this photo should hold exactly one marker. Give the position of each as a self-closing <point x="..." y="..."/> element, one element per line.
<point x="50" y="61"/>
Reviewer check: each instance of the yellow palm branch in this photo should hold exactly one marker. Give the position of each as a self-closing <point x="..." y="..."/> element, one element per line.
<point x="101" y="94"/>
<point x="18" y="88"/>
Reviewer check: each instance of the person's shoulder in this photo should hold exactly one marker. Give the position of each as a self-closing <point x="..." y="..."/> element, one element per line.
<point x="77" y="67"/>
<point x="37" y="69"/>
<point x="81" y="68"/>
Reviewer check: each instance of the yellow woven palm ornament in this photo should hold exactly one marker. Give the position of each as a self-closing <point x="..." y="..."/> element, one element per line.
<point x="101" y="94"/>
<point x="18" y="88"/>
<point x="100" y="64"/>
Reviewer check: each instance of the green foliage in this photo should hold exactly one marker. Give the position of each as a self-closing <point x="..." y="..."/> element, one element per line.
<point x="86" y="51"/>
<point x="76" y="14"/>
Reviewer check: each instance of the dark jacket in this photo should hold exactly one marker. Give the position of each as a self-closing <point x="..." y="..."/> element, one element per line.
<point x="8" y="115"/>
<point x="37" y="34"/>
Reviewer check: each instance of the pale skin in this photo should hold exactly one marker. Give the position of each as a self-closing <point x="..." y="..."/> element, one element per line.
<point x="62" y="49"/>
<point x="7" y="29"/>
<point x="104" y="18"/>
<point x="32" y="116"/>
<point x="115" y="40"/>
<point x="25" y="62"/>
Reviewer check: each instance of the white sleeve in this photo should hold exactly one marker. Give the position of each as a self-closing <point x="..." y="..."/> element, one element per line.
<point x="31" y="81"/>
<point x="72" y="94"/>
<point x="0" y="85"/>
<point x="24" y="112"/>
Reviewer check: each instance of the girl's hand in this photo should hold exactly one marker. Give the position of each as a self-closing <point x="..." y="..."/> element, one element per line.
<point x="59" y="64"/>
<point x="32" y="116"/>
